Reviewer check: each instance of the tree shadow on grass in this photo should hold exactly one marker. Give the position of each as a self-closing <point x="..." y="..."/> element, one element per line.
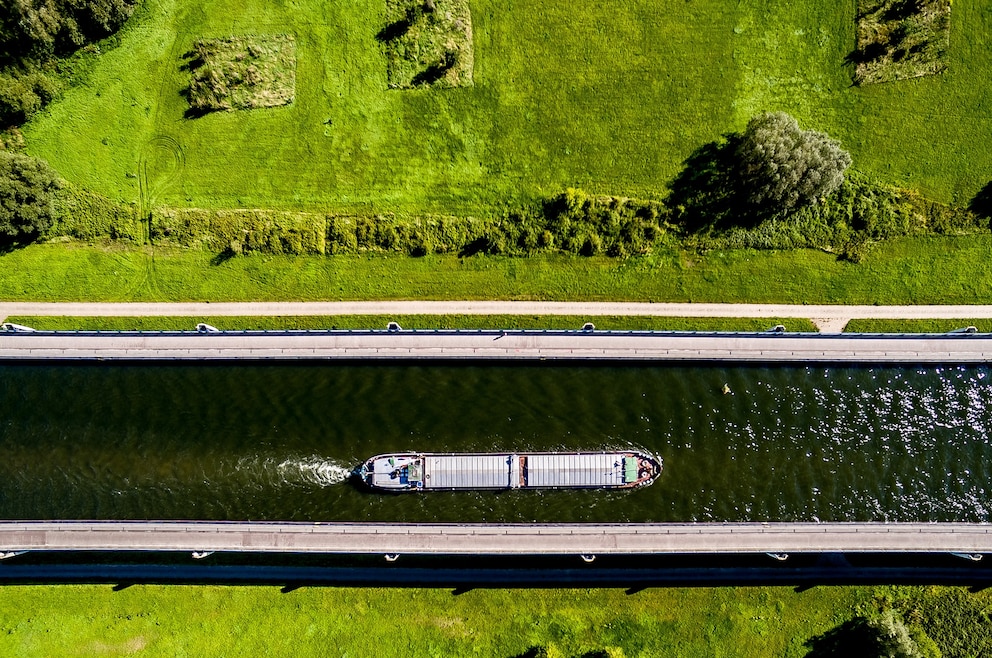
<point x="708" y="193"/>
<point x="477" y="246"/>
<point x="223" y="257"/>
<point x="850" y="639"/>
<point x="981" y="204"/>
<point x="10" y="244"/>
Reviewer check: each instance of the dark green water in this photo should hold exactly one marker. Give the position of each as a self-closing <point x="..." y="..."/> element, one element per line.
<point x="276" y="442"/>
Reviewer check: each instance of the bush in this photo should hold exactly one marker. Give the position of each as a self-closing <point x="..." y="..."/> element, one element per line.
<point x="264" y="231"/>
<point x="242" y="72"/>
<point x="27" y="198"/>
<point x="83" y="215"/>
<point x="782" y="167"/>
<point x="581" y="224"/>
<point x="883" y="636"/>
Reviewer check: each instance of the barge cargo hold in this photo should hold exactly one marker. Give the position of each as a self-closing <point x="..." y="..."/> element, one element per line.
<point x="532" y="470"/>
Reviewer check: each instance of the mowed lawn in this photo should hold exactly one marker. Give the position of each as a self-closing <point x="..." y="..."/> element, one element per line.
<point x="258" y="621"/>
<point x="610" y="97"/>
<point x="905" y="271"/>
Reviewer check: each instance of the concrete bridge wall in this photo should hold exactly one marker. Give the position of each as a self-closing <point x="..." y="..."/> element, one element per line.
<point x="495" y="539"/>
<point x="497" y="345"/>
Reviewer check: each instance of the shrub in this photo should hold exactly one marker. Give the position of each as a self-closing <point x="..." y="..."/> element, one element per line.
<point x="23" y="94"/>
<point x="83" y="215"/>
<point x="782" y="167"/>
<point x="27" y="198"/>
<point x="342" y="235"/>
<point x="265" y="231"/>
<point x="427" y="42"/>
<point x="33" y="33"/>
<point x="900" y="39"/>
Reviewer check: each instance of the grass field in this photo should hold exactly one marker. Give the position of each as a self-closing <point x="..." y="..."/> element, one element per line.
<point x="904" y="271"/>
<point x="608" y="322"/>
<point x="607" y="96"/>
<point x="917" y="326"/>
<point x="257" y="621"/>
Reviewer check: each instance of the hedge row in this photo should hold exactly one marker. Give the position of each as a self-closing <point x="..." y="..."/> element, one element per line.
<point x="858" y="214"/>
<point x="239" y="231"/>
<point x="84" y="215"/>
<point x="573" y="222"/>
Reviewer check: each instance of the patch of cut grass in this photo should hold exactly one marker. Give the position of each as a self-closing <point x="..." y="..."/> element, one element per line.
<point x="242" y="73"/>
<point x="428" y="42"/>
<point x="901" y="39"/>
<point x="602" y="322"/>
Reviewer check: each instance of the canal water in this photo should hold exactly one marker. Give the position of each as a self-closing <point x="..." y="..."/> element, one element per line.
<point x="276" y="442"/>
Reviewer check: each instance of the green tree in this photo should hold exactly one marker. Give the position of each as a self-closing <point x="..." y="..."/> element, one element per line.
<point x="36" y="30"/>
<point x="883" y="636"/>
<point x="892" y="638"/>
<point x="782" y="167"/>
<point x="27" y="198"/>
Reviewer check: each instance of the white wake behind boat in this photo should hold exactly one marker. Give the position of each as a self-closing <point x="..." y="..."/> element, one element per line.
<point x="524" y="470"/>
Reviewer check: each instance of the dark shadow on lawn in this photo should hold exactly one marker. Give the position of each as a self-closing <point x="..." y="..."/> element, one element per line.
<point x="435" y="72"/>
<point x="223" y="257"/>
<point x="10" y="244"/>
<point x="394" y="30"/>
<point x="869" y="53"/>
<point x="981" y="204"/>
<point x="852" y="638"/>
<point x="708" y="193"/>
<point x="475" y="247"/>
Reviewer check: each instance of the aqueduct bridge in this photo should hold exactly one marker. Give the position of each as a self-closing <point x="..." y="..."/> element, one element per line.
<point x="495" y="539"/>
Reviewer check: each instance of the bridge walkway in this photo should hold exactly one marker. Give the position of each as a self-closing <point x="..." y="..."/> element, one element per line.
<point x="495" y="539"/>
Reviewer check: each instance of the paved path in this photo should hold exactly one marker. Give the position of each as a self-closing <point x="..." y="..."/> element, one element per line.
<point x="505" y="345"/>
<point x="829" y="318"/>
<point x="496" y="539"/>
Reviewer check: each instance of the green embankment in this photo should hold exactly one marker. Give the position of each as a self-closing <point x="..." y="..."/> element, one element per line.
<point x="257" y="621"/>
<point x="605" y="322"/>
<point x="904" y="271"/>
<point x="81" y="620"/>
<point x="916" y="326"/>
<point x="611" y="98"/>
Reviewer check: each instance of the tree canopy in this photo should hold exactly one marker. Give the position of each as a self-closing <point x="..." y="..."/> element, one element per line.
<point x="771" y="169"/>
<point x="783" y="167"/>
<point x="27" y="189"/>
<point x="40" y="29"/>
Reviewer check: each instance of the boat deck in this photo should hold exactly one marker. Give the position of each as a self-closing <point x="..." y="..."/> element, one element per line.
<point x="468" y="472"/>
<point x="577" y="470"/>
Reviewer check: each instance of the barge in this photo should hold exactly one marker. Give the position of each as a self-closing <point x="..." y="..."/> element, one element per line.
<point x="405" y="472"/>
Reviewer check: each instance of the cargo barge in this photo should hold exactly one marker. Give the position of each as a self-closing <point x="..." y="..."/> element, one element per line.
<point x="405" y="472"/>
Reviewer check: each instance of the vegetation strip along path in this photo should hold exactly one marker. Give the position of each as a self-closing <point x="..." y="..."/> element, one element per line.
<point x="828" y="318"/>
